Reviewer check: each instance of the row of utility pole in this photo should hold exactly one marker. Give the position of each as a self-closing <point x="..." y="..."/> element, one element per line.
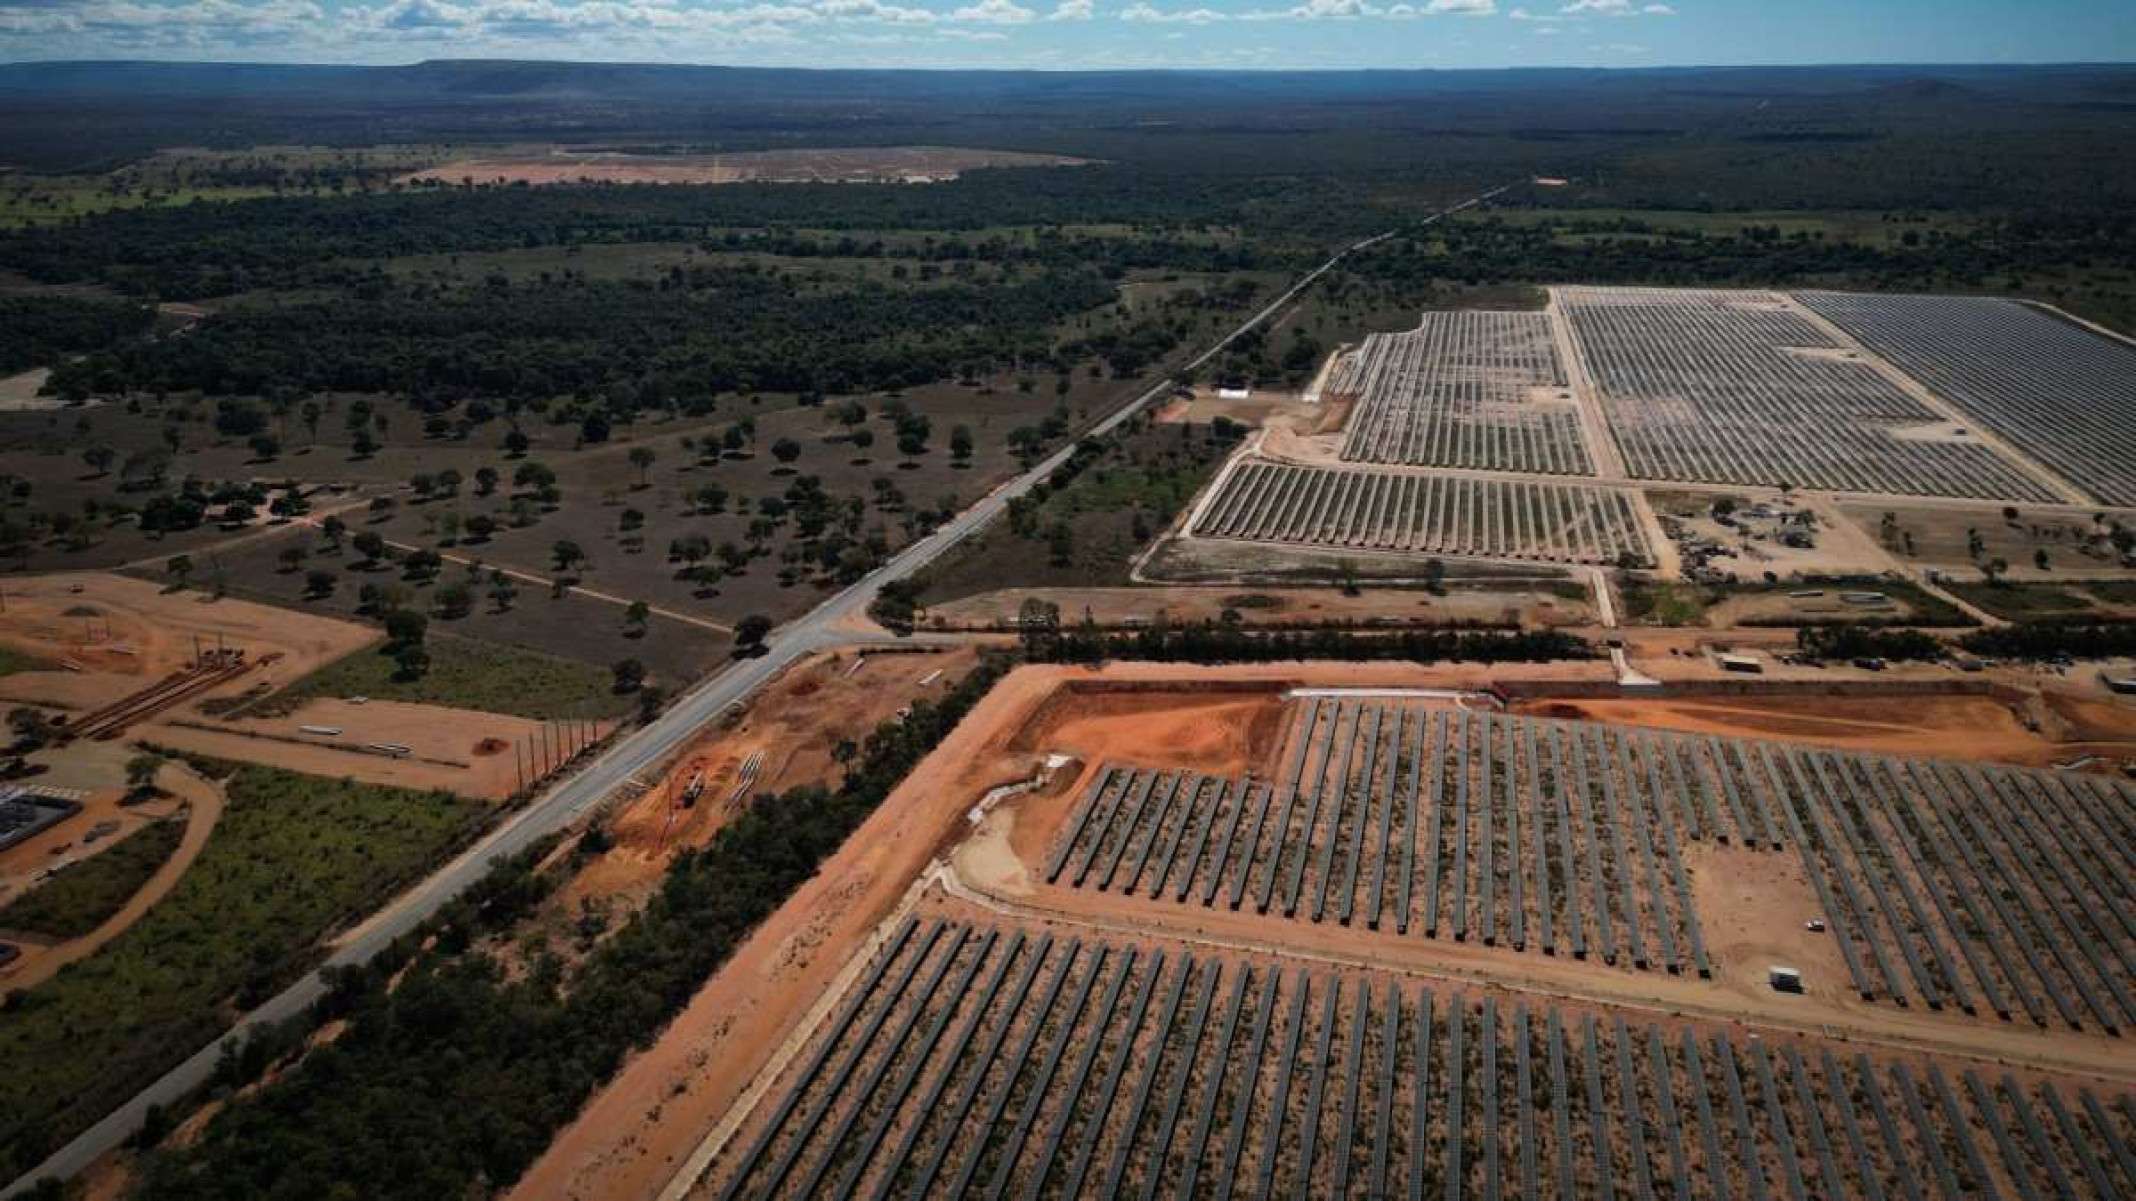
<point x="556" y="742"/>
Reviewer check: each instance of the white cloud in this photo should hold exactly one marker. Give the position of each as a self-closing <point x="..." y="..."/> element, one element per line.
<point x="1143" y="13"/>
<point x="1615" y="8"/>
<point x="200" y="23"/>
<point x="973" y="35"/>
<point x="1073" y="10"/>
<point x="994" y="12"/>
<point x="875" y="10"/>
<point x="1320" y="10"/>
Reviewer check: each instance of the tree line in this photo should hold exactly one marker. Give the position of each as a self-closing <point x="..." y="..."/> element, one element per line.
<point x="1583" y="249"/>
<point x="714" y="331"/>
<point x="39" y="330"/>
<point x="215" y="249"/>
<point x="1224" y="642"/>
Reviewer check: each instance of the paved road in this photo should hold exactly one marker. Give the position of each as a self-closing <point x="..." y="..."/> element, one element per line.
<point x="830" y="624"/>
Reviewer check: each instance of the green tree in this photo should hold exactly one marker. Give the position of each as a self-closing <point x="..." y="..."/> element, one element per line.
<point x="141" y="772"/>
<point x="749" y="634"/>
<point x="566" y="555"/>
<point x="411" y="661"/>
<point x="454" y="601"/>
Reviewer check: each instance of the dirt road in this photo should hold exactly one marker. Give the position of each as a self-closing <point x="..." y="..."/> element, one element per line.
<point x="204" y="803"/>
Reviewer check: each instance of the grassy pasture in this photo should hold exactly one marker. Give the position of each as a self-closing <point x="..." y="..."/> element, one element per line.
<point x="466" y="674"/>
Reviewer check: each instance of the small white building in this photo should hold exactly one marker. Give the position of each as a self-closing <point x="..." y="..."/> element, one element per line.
<point x="1233" y="393"/>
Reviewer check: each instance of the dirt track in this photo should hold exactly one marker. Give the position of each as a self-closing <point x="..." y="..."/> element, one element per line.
<point x="204" y="803"/>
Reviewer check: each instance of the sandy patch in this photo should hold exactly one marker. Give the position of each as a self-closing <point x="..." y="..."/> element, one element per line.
<point x="454" y="749"/>
<point x="123" y="634"/>
<point x="1978" y="726"/>
<point x="867" y="164"/>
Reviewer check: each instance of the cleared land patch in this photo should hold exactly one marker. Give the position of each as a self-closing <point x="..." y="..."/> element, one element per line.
<point x="1742" y="388"/>
<point x="1458" y="391"/>
<point x="1363" y="509"/>
<point x="864" y="164"/>
<point x="2057" y="391"/>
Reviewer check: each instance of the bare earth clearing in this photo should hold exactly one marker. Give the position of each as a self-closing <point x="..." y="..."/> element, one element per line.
<point x="867" y="164"/>
<point x="125" y="634"/>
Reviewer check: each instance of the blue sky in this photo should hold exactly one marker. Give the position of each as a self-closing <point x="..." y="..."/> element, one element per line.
<point x="1081" y="33"/>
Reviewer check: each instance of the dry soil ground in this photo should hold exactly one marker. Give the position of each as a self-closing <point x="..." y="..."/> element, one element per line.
<point x="874" y="164"/>
<point x="1940" y="537"/>
<point x="1972" y="727"/>
<point x="124" y="634"/>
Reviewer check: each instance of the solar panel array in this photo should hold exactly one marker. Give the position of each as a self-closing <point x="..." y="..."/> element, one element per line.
<point x="2002" y="890"/>
<point x="1455" y="392"/>
<point x="983" y="1061"/>
<point x="1715" y="387"/>
<point x="1363" y="509"/>
<point x="2060" y="393"/>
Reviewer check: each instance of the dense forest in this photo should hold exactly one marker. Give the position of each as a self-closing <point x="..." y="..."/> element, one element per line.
<point x="35" y="330"/>
<point x="1775" y="137"/>
<point x="1628" y="249"/>
<point x="695" y="334"/>
<point x="214" y="249"/>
